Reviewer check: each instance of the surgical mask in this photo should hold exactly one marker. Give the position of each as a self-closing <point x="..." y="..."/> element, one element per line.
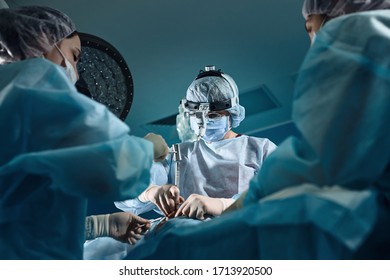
<point x="69" y="70"/>
<point x="216" y="129"/>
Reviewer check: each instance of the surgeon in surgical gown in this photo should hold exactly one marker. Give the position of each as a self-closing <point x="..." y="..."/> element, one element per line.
<point x="324" y="195"/>
<point x="215" y="169"/>
<point x="57" y="147"/>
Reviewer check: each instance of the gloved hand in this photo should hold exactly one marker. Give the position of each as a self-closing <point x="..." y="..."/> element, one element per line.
<point x="166" y="197"/>
<point x="160" y="147"/>
<point x="197" y="206"/>
<point x="127" y="227"/>
<point x="122" y="226"/>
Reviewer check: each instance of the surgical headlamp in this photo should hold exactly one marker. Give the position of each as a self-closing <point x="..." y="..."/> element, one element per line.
<point x="198" y="112"/>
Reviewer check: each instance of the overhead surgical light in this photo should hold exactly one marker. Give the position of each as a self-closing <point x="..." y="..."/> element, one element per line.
<point x="104" y="75"/>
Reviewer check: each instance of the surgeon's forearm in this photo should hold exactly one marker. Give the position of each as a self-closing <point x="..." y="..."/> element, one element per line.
<point x="96" y="226"/>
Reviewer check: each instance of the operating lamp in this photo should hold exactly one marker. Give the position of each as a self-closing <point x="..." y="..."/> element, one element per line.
<point x="105" y="75"/>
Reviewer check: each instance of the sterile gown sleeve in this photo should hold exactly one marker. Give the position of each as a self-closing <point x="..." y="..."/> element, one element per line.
<point x="159" y="176"/>
<point x="51" y="130"/>
<point x="341" y="107"/>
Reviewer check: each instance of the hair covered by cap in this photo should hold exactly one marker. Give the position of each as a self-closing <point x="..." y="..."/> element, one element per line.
<point x="31" y="31"/>
<point x="335" y="8"/>
<point x="215" y="88"/>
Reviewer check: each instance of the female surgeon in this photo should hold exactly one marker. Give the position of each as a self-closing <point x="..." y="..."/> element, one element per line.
<point x="57" y="146"/>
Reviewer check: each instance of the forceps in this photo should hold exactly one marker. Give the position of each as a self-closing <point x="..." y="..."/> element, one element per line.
<point x="157" y="219"/>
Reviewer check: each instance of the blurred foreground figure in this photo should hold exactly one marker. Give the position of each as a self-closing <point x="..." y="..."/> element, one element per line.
<point x="57" y="146"/>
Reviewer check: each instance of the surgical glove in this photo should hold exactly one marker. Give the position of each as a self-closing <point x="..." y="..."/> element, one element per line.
<point x="160" y="147"/>
<point x="166" y="197"/>
<point x="198" y="206"/>
<point x="122" y="226"/>
<point x="127" y="227"/>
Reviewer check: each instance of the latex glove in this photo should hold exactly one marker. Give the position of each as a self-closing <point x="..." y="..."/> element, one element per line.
<point x="166" y="197"/>
<point x="198" y="206"/>
<point x="160" y="147"/>
<point x="122" y="226"/>
<point x="238" y="204"/>
<point x="127" y="227"/>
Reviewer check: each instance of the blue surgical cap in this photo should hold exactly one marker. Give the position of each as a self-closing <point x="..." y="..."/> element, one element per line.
<point x="335" y="8"/>
<point x="31" y="31"/>
<point x="216" y="88"/>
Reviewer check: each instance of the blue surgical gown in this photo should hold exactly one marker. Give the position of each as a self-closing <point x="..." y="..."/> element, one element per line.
<point x="324" y="195"/>
<point x="58" y="148"/>
<point x="341" y="107"/>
